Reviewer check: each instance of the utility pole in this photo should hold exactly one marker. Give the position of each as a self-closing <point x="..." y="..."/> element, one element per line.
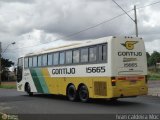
<point x="0" y="64"/>
<point x="134" y="20"/>
<point x="136" y="26"/>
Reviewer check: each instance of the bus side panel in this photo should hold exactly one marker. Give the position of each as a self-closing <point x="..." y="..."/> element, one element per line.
<point x="102" y="87"/>
<point x="96" y="85"/>
<point x="27" y="78"/>
<point x="51" y="82"/>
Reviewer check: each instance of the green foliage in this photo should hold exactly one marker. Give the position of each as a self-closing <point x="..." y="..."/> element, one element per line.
<point x="148" y="56"/>
<point x="8" y="86"/>
<point x="154" y="58"/>
<point x="6" y="63"/>
<point x="153" y="75"/>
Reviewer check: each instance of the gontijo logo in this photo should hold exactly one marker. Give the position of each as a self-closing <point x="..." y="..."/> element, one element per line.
<point x="129" y="44"/>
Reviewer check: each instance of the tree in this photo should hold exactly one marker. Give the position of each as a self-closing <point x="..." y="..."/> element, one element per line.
<point x="148" y="56"/>
<point x="4" y="64"/>
<point x="154" y="59"/>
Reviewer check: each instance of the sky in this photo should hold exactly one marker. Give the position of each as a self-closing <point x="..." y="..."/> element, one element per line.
<point x="40" y="24"/>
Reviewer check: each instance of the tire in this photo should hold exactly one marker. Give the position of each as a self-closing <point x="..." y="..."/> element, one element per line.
<point x="28" y="90"/>
<point x="83" y="93"/>
<point x="71" y="93"/>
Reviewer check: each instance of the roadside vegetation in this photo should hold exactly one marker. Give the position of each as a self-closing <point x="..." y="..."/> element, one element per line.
<point x="153" y="61"/>
<point x="8" y="85"/>
<point x="153" y="75"/>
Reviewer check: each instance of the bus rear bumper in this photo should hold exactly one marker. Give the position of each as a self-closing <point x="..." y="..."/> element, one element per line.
<point x="129" y="92"/>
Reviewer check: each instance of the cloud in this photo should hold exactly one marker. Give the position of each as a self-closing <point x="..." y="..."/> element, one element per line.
<point x="149" y="46"/>
<point x="35" y="22"/>
<point x="19" y="1"/>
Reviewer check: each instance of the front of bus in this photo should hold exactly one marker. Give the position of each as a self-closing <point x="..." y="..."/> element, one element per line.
<point x="129" y="67"/>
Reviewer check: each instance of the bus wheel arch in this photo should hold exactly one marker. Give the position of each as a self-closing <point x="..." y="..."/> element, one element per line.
<point x="71" y="92"/>
<point x="83" y="92"/>
<point x="27" y="89"/>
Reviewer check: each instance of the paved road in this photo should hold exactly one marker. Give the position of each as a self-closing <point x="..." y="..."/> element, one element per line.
<point x="14" y="102"/>
<point x="154" y="87"/>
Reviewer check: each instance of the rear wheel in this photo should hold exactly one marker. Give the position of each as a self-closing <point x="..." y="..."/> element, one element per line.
<point x="83" y="93"/>
<point x="71" y="93"/>
<point x="28" y="89"/>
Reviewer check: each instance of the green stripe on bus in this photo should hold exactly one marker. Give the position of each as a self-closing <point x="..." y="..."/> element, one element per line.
<point x="42" y="80"/>
<point x="36" y="81"/>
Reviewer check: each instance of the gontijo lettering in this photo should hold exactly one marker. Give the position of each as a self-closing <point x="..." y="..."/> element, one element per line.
<point x="63" y="71"/>
<point x="129" y="53"/>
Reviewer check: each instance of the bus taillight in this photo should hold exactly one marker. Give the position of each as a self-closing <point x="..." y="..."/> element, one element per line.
<point x="113" y="81"/>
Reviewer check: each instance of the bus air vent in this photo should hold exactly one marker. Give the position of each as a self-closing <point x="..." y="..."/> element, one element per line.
<point x="100" y="88"/>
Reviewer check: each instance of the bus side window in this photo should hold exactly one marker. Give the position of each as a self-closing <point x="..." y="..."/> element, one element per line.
<point x="26" y="62"/>
<point x="75" y="56"/>
<point x="30" y="62"/>
<point x="62" y="58"/>
<point x="44" y="60"/>
<point x="50" y="59"/>
<point x="39" y="61"/>
<point x="102" y="49"/>
<point x="69" y="57"/>
<point x="35" y="61"/>
<point x="56" y="58"/>
<point x="84" y="55"/>
<point x="93" y="54"/>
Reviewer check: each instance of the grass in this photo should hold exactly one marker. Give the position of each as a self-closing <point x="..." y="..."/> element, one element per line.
<point x="153" y="75"/>
<point x="8" y="86"/>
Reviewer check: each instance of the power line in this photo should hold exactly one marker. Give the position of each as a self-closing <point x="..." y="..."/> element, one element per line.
<point x="149" y="5"/>
<point x="134" y="20"/>
<point x="123" y="10"/>
<point x="73" y="34"/>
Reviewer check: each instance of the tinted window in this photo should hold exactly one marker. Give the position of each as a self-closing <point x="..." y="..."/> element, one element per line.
<point x="44" y="60"/>
<point x="30" y="62"/>
<point x="68" y="57"/>
<point x="102" y="52"/>
<point x="25" y="62"/>
<point x="84" y="55"/>
<point x="50" y="59"/>
<point x="93" y="54"/>
<point x="20" y="62"/>
<point x="76" y="56"/>
<point x="39" y="61"/>
<point x="62" y="58"/>
<point x="35" y="61"/>
<point x="56" y="58"/>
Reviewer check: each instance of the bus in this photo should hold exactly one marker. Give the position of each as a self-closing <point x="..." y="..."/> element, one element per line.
<point x="104" y="68"/>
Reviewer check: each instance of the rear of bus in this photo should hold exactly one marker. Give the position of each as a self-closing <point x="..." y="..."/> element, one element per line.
<point x="129" y="67"/>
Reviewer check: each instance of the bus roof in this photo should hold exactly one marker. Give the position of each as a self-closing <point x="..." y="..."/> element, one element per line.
<point x="73" y="45"/>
